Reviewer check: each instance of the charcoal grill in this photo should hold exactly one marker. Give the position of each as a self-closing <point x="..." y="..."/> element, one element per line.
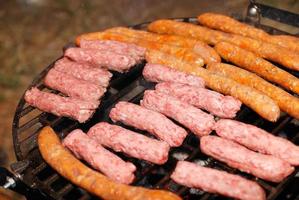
<point x="34" y="178"/>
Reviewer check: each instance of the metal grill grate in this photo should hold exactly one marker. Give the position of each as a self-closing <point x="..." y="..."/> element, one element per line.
<point x="130" y="87"/>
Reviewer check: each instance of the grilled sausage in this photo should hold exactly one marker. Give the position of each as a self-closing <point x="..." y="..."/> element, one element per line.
<point x="248" y="60"/>
<point x="132" y="50"/>
<point x="214" y="102"/>
<point x="230" y="25"/>
<point x="216" y="181"/>
<point x="151" y="121"/>
<point x="72" y="169"/>
<point x="98" y="76"/>
<point x="285" y="101"/>
<point x="205" y="51"/>
<point x="99" y="158"/>
<point x="263" y="166"/>
<point x="133" y="144"/>
<point x="199" y="122"/>
<point x="276" y="53"/>
<point x="61" y="106"/>
<point x="179" y="52"/>
<point x="258" y="140"/>
<point x="73" y="87"/>
<point x="105" y="58"/>
<point x="254" y="99"/>
<point x="159" y="73"/>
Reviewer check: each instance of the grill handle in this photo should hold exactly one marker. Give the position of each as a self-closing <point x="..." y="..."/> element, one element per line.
<point x="9" y="181"/>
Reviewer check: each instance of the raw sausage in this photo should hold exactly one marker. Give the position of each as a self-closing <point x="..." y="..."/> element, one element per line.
<point x="258" y="140"/>
<point x="61" y="106"/>
<point x="199" y="122"/>
<point x="105" y="58"/>
<point x="133" y="144"/>
<point x="132" y="50"/>
<point x="99" y="158"/>
<point x="159" y="73"/>
<point x="216" y="181"/>
<point x="263" y="166"/>
<point x="151" y="121"/>
<point x="95" y="75"/>
<point x="214" y="102"/>
<point x="73" y="87"/>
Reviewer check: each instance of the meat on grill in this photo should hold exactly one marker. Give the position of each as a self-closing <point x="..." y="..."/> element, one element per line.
<point x="151" y="121"/>
<point x="131" y="143"/>
<point x="101" y="58"/>
<point x="258" y="140"/>
<point x="263" y="166"/>
<point x="216" y="181"/>
<point x="132" y="50"/>
<point x="61" y="106"/>
<point x="99" y="158"/>
<point x="161" y="73"/>
<point x="73" y="87"/>
<point x="86" y="72"/>
<point x="199" y="122"/>
<point x="214" y="102"/>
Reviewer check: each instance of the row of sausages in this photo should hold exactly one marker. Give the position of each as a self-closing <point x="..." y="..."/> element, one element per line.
<point x="184" y="46"/>
<point x="82" y="76"/>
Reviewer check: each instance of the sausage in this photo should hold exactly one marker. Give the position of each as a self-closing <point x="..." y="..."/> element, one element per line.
<point x="257" y="101"/>
<point x="148" y="120"/>
<point x="159" y="73"/>
<point x="132" y="50"/>
<point x="230" y="25"/>
<point x="258" y="140"/>
<point x="61" y="106"/>
<point x="205" y="51"/>
<point x="97" y="58"/>
<point x="199" y="122"/>
<point x="276" y="53"/>
<point x="61" y="160"/>
<point x="263" y="166"/>
<point x="249" y="61"/>
<point x="183" y="53"/>
<point x="211" y="101"/>
<point x="285" y="101"/>
<point x="99" y="158"/>
<point x="73" y="87"/>
<point x="216" y="181"/>
<point x="133" y="144"/>
<point x="98" y="76"/>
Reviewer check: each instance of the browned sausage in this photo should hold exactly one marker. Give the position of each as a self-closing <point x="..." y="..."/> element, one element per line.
<point x="199" y="47"/>
<point x="276" y="53"/>
<point x="184" y="53"/>
<point x="285" y="101"/>
<point x="254" y="99"/>
<point x="230" y="25"/>
<point x="250" y="61"/>
<point x="72" y="169"/>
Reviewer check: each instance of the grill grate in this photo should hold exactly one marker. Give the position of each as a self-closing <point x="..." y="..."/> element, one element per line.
<point x="130" y="87"/>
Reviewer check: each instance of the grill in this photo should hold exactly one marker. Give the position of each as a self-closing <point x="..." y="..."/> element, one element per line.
<point x="37" y="177"/>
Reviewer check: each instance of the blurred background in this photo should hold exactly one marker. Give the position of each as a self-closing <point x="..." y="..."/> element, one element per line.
<point x="33" y="32"/>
